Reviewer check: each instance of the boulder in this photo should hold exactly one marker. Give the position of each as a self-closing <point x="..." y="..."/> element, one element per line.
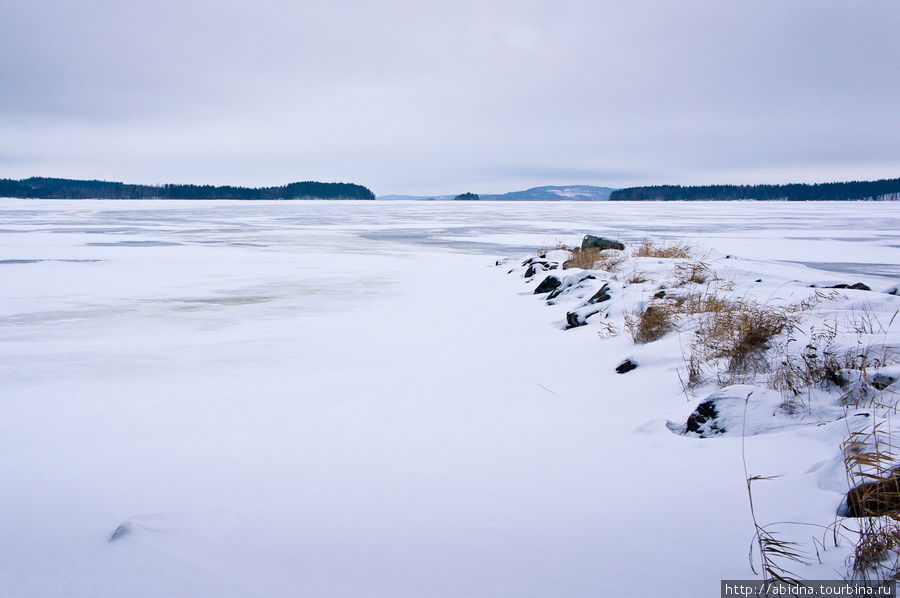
<point x="855" y="287"/>
<point x="843" y="285"/>
<point x="882" y="381"/>
<point x="703" y="420"/>
<point x="729" y="410"/>
<point x="574" y="319"/>
<point x="873" y="499"/>
<point x="601" y="295"/>
<point x="548" y="284"/>
<point x="626" y="366"/>
<point x="531" y="270"/>
<point x="601" y="243"/>
<point x="568" y="283"/>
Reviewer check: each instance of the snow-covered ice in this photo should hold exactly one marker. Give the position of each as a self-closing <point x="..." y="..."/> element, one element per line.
<point x="349" y="399"/>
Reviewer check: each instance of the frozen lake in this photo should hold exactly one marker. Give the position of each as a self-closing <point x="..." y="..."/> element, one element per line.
<point x="348" y="399"/>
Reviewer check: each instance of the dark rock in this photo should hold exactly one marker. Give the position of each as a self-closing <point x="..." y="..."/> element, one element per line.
<point x="601" y="243"/>
<point x="601" y="295"/>
<point x="626" y="366"/>
<point x="836" y="377"/>
<point x="704" y="414"/>
<point x="568" y="284"/>
<point x="882" y="381"/>
<point x="894" y="291"/>
<point x="536" y="264"/>
<point x="873" y="499"/>
<point x="548" y="284"/>
<point x="659" y="295"/>
<point x="759" y="280"/>
<point x="855" y="287"/>
<point x="575" y="319"/>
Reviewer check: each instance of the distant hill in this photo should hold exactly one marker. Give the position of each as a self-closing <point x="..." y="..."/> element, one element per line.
<point x="556" y="193"/>
<point x="548" y="193"/>
<point x="856" y="190"/>
<point x="48" y="188"/>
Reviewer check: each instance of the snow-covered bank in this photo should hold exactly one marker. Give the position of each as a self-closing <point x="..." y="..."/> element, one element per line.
<point x="763" y="349"/>
<point x="349" y="399"/>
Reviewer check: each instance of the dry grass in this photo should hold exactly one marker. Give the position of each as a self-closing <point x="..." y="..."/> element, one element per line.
<point x="743" y="340"/>
<point x="648" y="248"/>
<point x="695" y="271"/>
<point x="607" y="330"/>
<point x="542" y="252"/>
<point x="869" y="456"/>
<point x="731" y="339"/>
<point x="739" y="332"/>
<point x="582" y="259"/>
<point x="653" y="323"/>
<point x="703" y="303"/>
<point x="636" y="277"/>
<point x="875" y="555"/>
<point x="594" y="259"/>
<point x="775" y="554"/>
<point x="821" y="364"/>
<point x="693" y="375"/>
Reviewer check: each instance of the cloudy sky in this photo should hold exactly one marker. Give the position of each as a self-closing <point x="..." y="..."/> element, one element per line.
<point x="442" y="97"/>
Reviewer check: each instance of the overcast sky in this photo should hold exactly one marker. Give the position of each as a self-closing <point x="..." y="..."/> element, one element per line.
<point x="444" y="97"/>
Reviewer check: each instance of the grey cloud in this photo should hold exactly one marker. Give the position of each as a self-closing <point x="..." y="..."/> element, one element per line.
<point x="437" y="96"/>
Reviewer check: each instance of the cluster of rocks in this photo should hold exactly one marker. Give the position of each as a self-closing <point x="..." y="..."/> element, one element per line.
<point x="579" y="284"/>
<point x="858" y="286"/>
<point x="726" y="410"/>
<point x="583" y="286"/>
<point x="538" y="264"/>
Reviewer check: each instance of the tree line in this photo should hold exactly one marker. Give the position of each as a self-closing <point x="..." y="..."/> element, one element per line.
<point x="853" y="190"/>
<point x="51" y="188"/>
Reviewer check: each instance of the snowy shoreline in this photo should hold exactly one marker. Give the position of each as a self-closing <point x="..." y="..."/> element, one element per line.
<point x="765" y="350"/>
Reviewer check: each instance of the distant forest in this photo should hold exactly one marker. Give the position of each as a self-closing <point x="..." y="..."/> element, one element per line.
<point x="45" y="188"/>
<point x="883" y="189"/>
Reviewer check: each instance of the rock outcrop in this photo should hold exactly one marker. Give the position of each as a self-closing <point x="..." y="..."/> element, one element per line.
<point x="601" y="243"/>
